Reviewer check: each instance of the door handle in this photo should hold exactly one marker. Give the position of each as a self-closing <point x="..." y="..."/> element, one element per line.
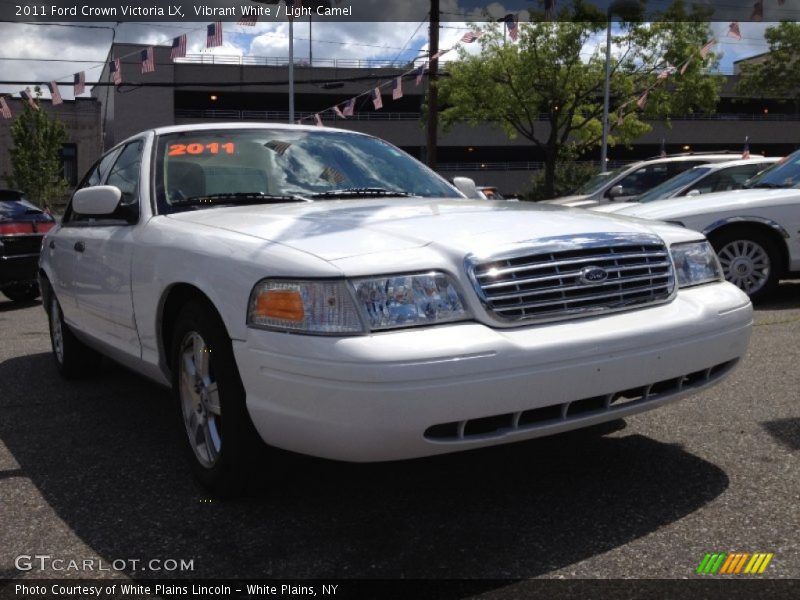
<point x="52" y="245"/>
<point x="79" y="246"/>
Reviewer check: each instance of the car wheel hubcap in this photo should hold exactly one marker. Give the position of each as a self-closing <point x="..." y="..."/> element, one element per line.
<point x="199" y="396"/>
<point x="746" y="265"/>
<point x="57" y="333"/>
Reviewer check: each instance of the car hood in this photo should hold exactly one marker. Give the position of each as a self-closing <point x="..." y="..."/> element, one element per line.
<point x="575" y="200"/>
<point x="738" y="200"/>
<point x="334" y="230"/>
<point x="613" y="207"/>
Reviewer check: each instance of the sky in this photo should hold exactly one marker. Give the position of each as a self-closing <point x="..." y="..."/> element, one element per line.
<point x="54" y="50"/>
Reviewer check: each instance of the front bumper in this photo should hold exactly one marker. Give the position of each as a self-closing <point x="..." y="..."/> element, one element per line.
<point x="419" y="392"/>
<point x="18" y="268"/>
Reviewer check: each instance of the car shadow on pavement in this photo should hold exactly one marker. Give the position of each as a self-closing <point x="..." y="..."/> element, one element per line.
<point x="785" y="297"/>
<point x="785" y="431"/>
<point x="105" y="455"/>
<point x="8" y="305"/>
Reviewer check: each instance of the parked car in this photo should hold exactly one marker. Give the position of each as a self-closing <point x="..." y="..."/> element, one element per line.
<point x="755" y="231"/>
<point x="715" y="177"/>
<point x="625" y="183"/>
<point x="490" y="193"/>
<point x="22" y="226"/>
<point x="324" y="292"/>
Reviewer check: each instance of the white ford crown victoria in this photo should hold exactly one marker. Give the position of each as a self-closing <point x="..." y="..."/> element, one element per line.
<point x="325" y="292"/>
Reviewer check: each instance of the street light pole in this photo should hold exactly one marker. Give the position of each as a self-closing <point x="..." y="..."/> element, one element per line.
<point x="606" y="97"/>
<point x="291" y="70"/>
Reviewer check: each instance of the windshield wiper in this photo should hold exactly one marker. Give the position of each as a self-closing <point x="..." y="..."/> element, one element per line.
<point x="238" y="198"/>
<point x="363" y="192"/>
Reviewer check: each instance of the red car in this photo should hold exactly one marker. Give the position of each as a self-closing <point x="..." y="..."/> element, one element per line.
<point x="22" y="226"/>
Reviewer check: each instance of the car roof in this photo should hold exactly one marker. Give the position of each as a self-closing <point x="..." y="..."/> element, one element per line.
<point x="239" y="125"/>
<point x="739" y="163"/>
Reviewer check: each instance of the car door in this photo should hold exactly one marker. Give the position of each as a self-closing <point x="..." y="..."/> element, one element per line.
<point x="104" y="253"/>
<point x="61" y="245"/>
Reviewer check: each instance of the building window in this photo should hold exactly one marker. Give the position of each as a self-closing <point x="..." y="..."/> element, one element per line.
<point x="69" y="163"/>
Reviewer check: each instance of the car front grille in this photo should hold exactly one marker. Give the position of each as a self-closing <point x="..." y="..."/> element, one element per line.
<point x="575" y="277"/>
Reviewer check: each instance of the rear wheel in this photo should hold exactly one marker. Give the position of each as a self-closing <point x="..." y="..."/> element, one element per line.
<point x="24" y="292"/>
<point x="750" y="260"/>
<point x="220" y="437"/>
<point x="74" y="359"/>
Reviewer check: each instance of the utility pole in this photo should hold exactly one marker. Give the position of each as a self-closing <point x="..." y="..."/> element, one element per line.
<point x="433" y="92"/>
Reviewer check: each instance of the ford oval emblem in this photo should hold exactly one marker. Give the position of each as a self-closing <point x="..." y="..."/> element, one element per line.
<point x="593" y="275"/>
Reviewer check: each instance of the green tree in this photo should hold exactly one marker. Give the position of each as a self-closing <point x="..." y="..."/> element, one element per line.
<point x="777" y="75"/>
<point x="548" y="86"/>
<point x="35" y="164"/>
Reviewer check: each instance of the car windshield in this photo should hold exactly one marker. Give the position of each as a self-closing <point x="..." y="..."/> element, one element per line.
<point x="596" y="183"/>
<point x="212" y="167"/>
<point x="670" y="186"/>
<point x="783" y="174"/>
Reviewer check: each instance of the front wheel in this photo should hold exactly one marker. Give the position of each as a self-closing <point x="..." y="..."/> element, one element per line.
<point x="750" y="261"/>
<point x="220" y="437"/>
<point x="24" y="292"/>
<point x="74" y="359"/>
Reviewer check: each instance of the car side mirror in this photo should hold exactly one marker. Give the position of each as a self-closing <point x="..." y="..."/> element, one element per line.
<point x="693" y="193"/>
<point x="466" y="186"/>
<point x="97" y="201"/>
<point x="616" y="191"/>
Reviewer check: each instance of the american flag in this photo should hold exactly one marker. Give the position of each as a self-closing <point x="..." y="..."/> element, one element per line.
<point x="331" y="175"/>
<point x="214" y="35"/>
<point x="440" y="53"/>
<point x="377" y="101"/>
<point x="397" y="88"/>
<point x="339" y="112"/>
<point x="470" y="36"/>
<point x="685" y="66"/>
<point x="55" y="94"/>
<point x="512" y="26"/>
<point x="549" y="9"/>
<point x="248" y="20"/>
<point x="642" y="101"/>
<point x="27" y="95"/>
<point x="115" y="69"/>
<point x="746" y="150"/>
<point x="148" y="62"/>
<point x="178" y="47"/>
<point x="758" y="11"/>
<point x="666" y="72"/>
<point x="5" y="111"/>
<point x="317" y="120"/>
<point x="707" y="48"/>
<point x="420" y="73"/>
<point x="79" y="83"/>
<point x="349" y="108"/>
<point x="734" y="30"/>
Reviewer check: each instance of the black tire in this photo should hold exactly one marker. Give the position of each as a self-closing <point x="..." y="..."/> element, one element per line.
<point x="24" y="292"/>
<point x="222" y="440"/>
<point x="725" y="243"/>
<point x="74" y="360"/>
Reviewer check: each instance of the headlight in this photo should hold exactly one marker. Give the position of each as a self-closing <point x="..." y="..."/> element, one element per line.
<point x="695" y="263"/>
<point x="409" y="300"/>
<point x="328" y="307"/>
<point x="321" y="307"/>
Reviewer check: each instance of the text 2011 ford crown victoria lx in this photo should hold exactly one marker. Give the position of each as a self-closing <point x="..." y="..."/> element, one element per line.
<point x="323" y="290"/>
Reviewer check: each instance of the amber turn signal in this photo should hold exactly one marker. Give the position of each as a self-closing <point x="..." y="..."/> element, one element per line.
<point x="280" y="304"/>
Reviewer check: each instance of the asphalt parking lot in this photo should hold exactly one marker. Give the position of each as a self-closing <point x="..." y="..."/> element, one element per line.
<point x="93" y="469"/>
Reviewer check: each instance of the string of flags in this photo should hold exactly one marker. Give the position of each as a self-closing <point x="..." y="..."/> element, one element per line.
<point x="214" y="38"/>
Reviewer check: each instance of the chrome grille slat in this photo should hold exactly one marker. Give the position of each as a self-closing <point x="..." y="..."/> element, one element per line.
<point x="551" y="283"/>
<point x="552" y="289"/>
<point x="491" y="286"/>
<point x="584" y="260"/>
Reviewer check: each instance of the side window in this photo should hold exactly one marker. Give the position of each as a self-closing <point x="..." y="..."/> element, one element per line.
<point x="125" y="174"/>
<point x="91" y="179"/>
<point x="727" y="179"/>
<point x="643" y="179"/>
<point x="679" y="167"/>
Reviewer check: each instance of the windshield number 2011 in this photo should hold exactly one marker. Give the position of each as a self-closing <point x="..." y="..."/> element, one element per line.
<point x="212" y="148"/>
